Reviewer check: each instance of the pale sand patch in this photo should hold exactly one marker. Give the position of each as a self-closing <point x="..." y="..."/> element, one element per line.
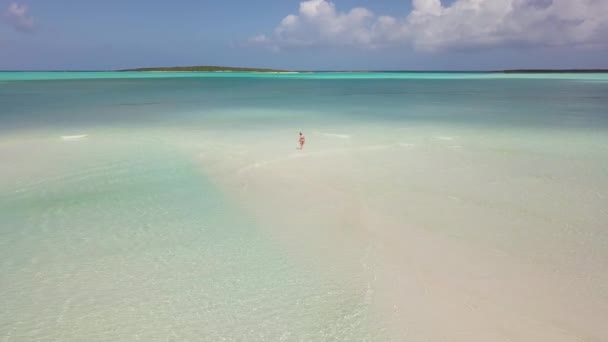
<point x="73" y="137"/>
<point x="334" y="135"/>
<point x="442" y="246"/>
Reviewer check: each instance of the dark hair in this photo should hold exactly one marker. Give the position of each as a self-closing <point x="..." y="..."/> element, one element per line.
<point x="300" y="133"/>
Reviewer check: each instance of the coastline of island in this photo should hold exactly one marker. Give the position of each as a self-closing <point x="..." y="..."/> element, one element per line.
<point x="212" y="68"/>
<point x="206" y="68"/>
<point x="225" y="69"/>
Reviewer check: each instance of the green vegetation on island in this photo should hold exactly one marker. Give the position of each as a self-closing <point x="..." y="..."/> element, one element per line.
<point x="205" y="68"/>
<point x="554" y="71"/>
<point x="212" y="68"/>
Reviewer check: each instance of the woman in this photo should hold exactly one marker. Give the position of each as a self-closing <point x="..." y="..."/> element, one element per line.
<point x="302" y="140"/>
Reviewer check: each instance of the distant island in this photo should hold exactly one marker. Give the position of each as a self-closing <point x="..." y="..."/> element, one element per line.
<point x="205" y="68"/>
<point x="213" y="68"/>
<point x="554" y="71"/>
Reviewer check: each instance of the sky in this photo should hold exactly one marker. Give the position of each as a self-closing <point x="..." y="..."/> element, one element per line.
<point x="304" y="34"/>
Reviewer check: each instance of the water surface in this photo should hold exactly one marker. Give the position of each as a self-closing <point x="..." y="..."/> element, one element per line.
<point x="173" y="206"/>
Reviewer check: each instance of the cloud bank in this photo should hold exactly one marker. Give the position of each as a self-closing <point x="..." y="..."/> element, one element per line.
<point x="18" y="17"/>
<point x="431" y="26"/>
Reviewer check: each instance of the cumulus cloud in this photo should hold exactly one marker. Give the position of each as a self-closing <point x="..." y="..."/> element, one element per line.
<point x="19" y="18"/>
<point x="432" y="26"/>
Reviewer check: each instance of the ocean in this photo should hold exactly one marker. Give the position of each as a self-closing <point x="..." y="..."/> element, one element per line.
<point x="423" y="206"/>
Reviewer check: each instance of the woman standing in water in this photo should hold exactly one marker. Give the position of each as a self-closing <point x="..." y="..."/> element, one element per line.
<point x="302" y="141"/>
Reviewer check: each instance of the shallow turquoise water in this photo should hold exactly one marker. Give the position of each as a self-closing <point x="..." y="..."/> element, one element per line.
<point x="570" y="101"/>
<point x="120" y="235"/>
<point x="129" y="241"/>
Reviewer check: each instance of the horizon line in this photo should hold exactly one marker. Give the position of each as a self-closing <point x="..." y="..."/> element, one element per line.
<point x="531" y="70"/>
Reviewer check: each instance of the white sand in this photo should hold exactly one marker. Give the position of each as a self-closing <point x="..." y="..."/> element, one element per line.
<point x="451" y="236"/>
<point x="485" y="236"/>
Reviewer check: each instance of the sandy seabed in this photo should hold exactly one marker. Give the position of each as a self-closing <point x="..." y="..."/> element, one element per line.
<point x="420" y="233"/>
<point x="459" y="234"/>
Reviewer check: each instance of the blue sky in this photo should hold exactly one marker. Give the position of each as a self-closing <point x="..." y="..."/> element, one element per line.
<point x="311" y="34"/>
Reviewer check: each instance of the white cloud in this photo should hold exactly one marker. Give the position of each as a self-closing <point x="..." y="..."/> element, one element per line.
<point x="19" y="18"/>
<point x="432" y="26"/>
<point x="319" y="23"/>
